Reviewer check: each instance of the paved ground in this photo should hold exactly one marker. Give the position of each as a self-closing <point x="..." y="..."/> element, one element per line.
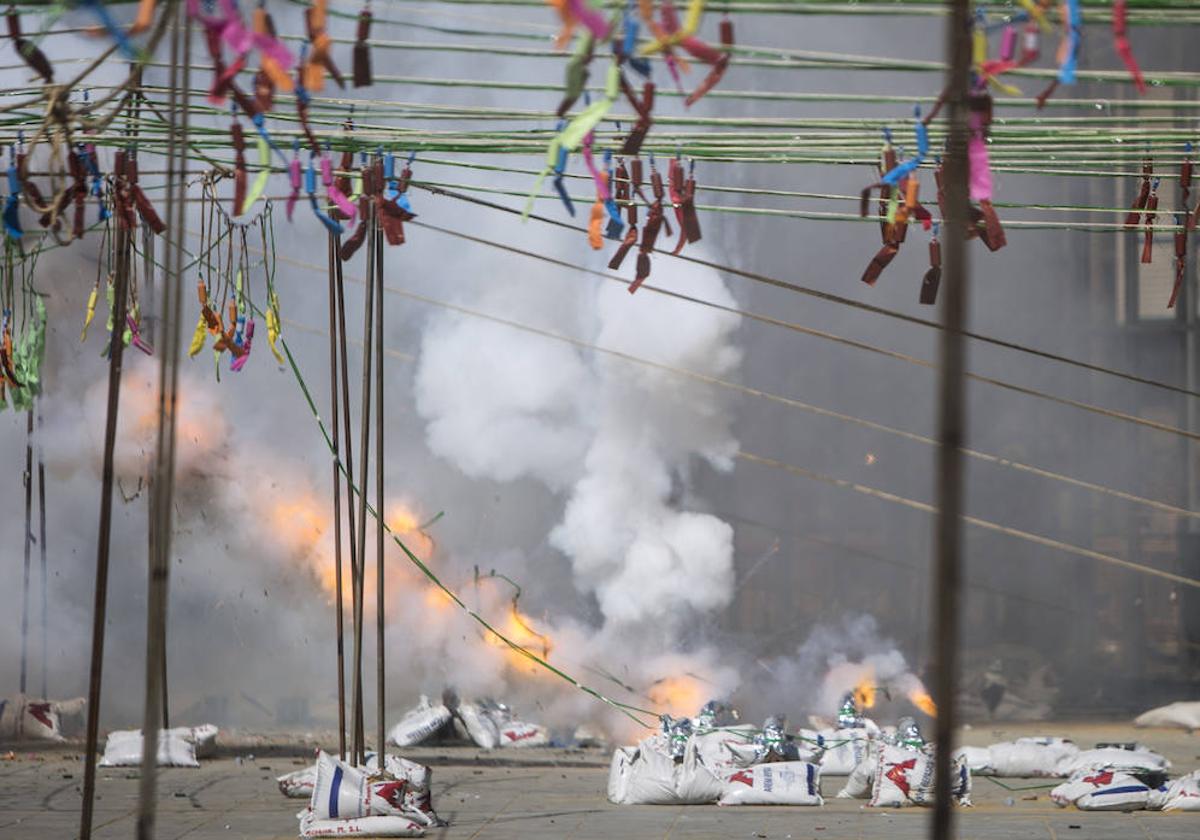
<point x="549" y="794"/>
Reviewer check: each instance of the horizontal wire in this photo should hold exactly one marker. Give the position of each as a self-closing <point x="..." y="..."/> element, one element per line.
<point x="985" y="524"/>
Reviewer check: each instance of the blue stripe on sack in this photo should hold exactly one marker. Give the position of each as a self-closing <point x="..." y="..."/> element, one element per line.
<point x="333" y="792"/>
<point x="1126" y="789"/>
<point x="811" y="774"/>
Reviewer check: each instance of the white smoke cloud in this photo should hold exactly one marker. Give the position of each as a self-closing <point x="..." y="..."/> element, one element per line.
<point x="615" y="438"/>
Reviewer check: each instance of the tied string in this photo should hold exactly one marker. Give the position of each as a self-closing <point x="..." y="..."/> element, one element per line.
<point x="630" y="711"/>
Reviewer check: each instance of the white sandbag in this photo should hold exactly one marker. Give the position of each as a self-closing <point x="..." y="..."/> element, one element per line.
<point x="1022" y="758"/>
<point x="417" y="800"/>
<point x="862" y="779"/>
<point x="480" y="726"/>
<point x="650" y="776"/>
<point x="1182" y="794"/>
<point x="726" y="747"/>
<point x="904" y="777"/>
<point x="1112" y="757"/>
<point x="1181" y="715"/>
<point x="419" y="723"/>
<point x="345" y="792"/>
<point x="393" y="826"/>
<point x="777" y="783"/>
<point x="24" y="717"/>
<point x="203" y="738"/>
<point x="1101" y="790"/>
<point x="124" y="749"/>
<point x="519" y="733"/>
<point x="844" y="750"/>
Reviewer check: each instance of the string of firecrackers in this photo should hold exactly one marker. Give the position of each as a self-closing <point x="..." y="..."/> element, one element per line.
<point x="22" y="350"/>
<point x="899" y="186"/>
<point x="616" y="189"/>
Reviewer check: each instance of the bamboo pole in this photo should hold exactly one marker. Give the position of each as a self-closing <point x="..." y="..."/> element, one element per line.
<point x="41" y="474"/>
<point x="951" y="416"/>
<point x="337" y="498"/>
<point x="27" y="480"/>
<point x="364" y="455"/>
<point x="381" y="723"/>
<point x="163" y="488"/>
<point x="103" y="539"/>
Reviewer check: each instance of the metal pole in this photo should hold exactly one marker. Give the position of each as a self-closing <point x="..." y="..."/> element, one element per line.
<point x="27" y="480"/>
<point x="380" y="745"/>
<point x="356" y="560"/>
<point x="163" y="489"/>
<point x="337" y="498"/>
<point x="103" y="538"/>
<point x="41" y="471"/>
<point x="951" y="414"/>
<point x="364" y="453"/>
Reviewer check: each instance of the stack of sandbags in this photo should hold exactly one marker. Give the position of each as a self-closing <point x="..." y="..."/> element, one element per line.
<point x="348" y="800"/>
<point x="23" y="717"/>
<point x="178" y="747"/>
<point x="1035" y="757"/>
<point x="490" y="724"/>
<point x="649" y="774"/>
<point x="1181" y="715"/>
<point x="1182" y="794"/>
<point x="300" y="784"/>
<point x="1139" y="759"/>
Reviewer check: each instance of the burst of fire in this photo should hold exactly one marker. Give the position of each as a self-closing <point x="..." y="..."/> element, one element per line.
<point x="924" y="702"/>
<point x="406" y="524"/>
<point x="865" y="691"/>
<point x="298" y="523"/>
<point x="677" y="696"/>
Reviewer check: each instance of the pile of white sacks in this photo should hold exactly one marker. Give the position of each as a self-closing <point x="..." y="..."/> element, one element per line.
<point x="363" y="801"/>
<point x="691" y="762"/>
<point x="486" y="723"/>
<point x="1124" y="777"/>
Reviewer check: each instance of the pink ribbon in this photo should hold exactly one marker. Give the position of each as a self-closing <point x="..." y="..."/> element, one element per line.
<point x="602" y="193"/>
<point x="977" y="159"/>
<point x="294" y="176"/>
<point x="589" y="17"/>
<point x="336" y="195"/>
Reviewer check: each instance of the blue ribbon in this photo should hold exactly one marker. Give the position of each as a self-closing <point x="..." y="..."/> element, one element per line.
<point x="1066" y="70"/>
<point x="906" y="167"/>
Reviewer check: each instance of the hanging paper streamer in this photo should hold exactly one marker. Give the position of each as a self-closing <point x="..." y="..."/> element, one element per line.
<point x="1068" y="50"/>
<point x="933" y="277"/>
<point x="720" y="64"/>
<point x="1139" y="201"/>
<point x="577" y="73"/>
<point x="1148" y="229"/>
<point x="310" y="186"/>
<point x="240" y="361"/>
<point x="1122" y="45"/>
<point x="568" y="23"/>
<point x="260" y="180"/>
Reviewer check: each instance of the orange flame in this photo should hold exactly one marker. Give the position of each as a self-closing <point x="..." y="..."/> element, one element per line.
<point x="864" y="692"/>
<point x="406" y="524"/>
<point x="682" y="695"/>
<point x="923" y="701"/>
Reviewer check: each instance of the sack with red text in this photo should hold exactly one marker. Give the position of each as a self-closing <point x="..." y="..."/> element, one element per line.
<point x="1182" y="794"/>
<point x="394" y="826"/>
<point x="1102" y="790"/>
<point x="776" y="783"/>
<point x="904" y="777"/>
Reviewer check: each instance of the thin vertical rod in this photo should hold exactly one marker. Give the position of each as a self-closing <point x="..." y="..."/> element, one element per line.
<point x="27" y="480"/>
<point x="116" y="346"/>
<point x="356" y="561"/>
<point x="337" y="499"/>
<point x="163" y="488"/>
<point x="951" y="416"/>
<point x="380" y="744"/>
<point x="41" y="476"/>
<point x="364" y="455"/>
